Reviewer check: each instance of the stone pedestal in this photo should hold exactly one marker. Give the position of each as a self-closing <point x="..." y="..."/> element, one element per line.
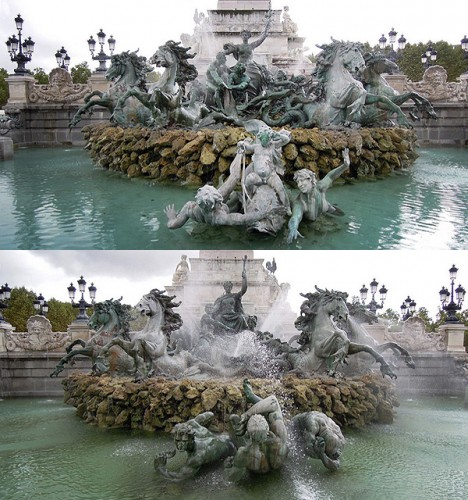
<point x="455" y="333"/>
<point x="397" y="82"/>
<point x="79" y="330"/>
<point x="98" y="81"/>
<point x="6" y="148"/>
<point x="377" y="331"/>
<point x="5" y="328"/>
<point x="19" y="87"/>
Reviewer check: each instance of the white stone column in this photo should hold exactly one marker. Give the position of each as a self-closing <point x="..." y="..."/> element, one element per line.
<point x="376" y="330"/>
<point x="455" y="333"/>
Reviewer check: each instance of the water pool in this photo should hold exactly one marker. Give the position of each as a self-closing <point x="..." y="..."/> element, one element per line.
<point x="47" y="452"/>
<point x="56" y="199"/>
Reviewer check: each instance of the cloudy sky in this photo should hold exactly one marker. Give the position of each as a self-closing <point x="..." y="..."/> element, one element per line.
<point x="131" y="274"/>
<point x="147" y="24"/>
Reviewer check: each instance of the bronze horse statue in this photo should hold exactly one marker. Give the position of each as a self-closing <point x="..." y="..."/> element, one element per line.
<point x="376" y="65"/>
<point x="110" y="318"/>
<point x="127" y="71"/>
<point x="324" y="345"/>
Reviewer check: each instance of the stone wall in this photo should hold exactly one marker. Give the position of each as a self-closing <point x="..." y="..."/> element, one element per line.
<point x="450" y="129"/>
<point x="197" y="157"/>
<point x="26" y="374"/>
<point x="159" y="404"/>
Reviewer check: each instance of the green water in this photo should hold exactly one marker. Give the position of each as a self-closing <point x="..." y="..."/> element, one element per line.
<point x="57" y="199"/>
<point x="47" y="452"/>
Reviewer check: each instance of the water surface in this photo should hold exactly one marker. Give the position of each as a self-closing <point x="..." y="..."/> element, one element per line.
<point x="47" y="452"/>
<point x="57" y="199"/>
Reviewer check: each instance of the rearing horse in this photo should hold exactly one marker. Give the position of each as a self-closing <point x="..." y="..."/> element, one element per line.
<point x="149" y="344"/>
<point x="127" y="71"/>
<point x="323" y="344"/>
<point x="165" y="99"/>
<point x="342" y="99"/>
<point x="110" y="318"/>
<point x="375" y="83"/>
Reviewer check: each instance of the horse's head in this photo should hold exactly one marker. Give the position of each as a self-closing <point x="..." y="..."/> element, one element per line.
<point x="163" y="57"/>
<point x="109" y="316"/>
<point x="128" y="65"/>
<point x="377" y="62"/>
<point x="149" y="305"/>
<point x="351" y="57"/>
<point x="334" y="303"/>
<point x="361" y="313"/>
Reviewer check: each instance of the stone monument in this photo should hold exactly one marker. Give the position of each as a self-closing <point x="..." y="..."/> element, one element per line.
<point x="282" y="49"/>
<point x="204" y="284"/>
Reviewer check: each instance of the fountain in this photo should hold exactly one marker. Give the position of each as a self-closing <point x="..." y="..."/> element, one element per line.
<point x="187" y="380"/>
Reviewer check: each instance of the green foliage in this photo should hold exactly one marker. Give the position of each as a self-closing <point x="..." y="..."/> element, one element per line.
<point x="391" y="315"/>
<point x="4" y="91"/>
<point x="20" y="309"/>
<point x="60" y="314"/>
<point x="40" y="75"/>
<point x="450" y="57"/>
<point x="80" y="73"/>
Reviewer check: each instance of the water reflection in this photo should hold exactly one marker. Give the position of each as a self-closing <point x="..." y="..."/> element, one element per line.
<point x="56" y="199"/>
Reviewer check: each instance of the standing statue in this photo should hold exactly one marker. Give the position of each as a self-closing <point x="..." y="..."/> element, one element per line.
<point x="202" y="447"/>
<point x="243" y="53"/>
<point x="228" y="309"/>
<point x="217" y="81"/>
<point x="265" y="447"/>
<point x="322" y="437"/>
<point x="311" y="201"/>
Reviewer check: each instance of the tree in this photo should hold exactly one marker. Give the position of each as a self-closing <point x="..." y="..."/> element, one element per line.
<point x="153" y="76"/>
<point x="20" y="309"/>
<point x="60" y="314"/>
<point x="80" y="73"/>
<point x="449" y="56"/>
<point x="40" y="75"/>
<point x="4" y="90"/>
<point x="391" y="315"/>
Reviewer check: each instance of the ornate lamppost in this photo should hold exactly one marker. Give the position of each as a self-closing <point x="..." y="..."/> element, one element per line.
<point x="62" y="58"/>
<point x="464" y="46"/>
<point x="20" y="52"/>
<point x="429" y="56"/>
<point x="456" y="297"/>
<point x="41" y="306"/>
<point x="82" y="304"/>
<point x="373" y="305"/>
<point x="408" y="308"/>
<point x="5" y="294"/>
<point x="392" y="55"/>
<point x="101" y="56"/>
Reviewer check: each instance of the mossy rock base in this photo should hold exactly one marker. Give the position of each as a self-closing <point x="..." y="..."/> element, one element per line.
<point x="159" y="404"/>
<point x="194" y="158"/>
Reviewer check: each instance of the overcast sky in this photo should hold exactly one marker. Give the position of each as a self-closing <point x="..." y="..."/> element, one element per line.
<point x="147" y="24"/>
<point x="131" y="274"/>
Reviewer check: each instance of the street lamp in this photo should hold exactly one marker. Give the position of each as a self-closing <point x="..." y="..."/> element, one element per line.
<point x="456" y="297"/>
<point x="40" y="305"/>
<point x="5" y="294"/>
<point x="408" y="308"/>
<point x="20" y="52"/>
<point x="62" y="58"/>
<point x="102" y="57"/>
<point x="373" y="305"/>
<point x="464" y="46"/>
<point x="82" y="304"/>
<point x="429" y="56"/>
<point x="392" y="55"/>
